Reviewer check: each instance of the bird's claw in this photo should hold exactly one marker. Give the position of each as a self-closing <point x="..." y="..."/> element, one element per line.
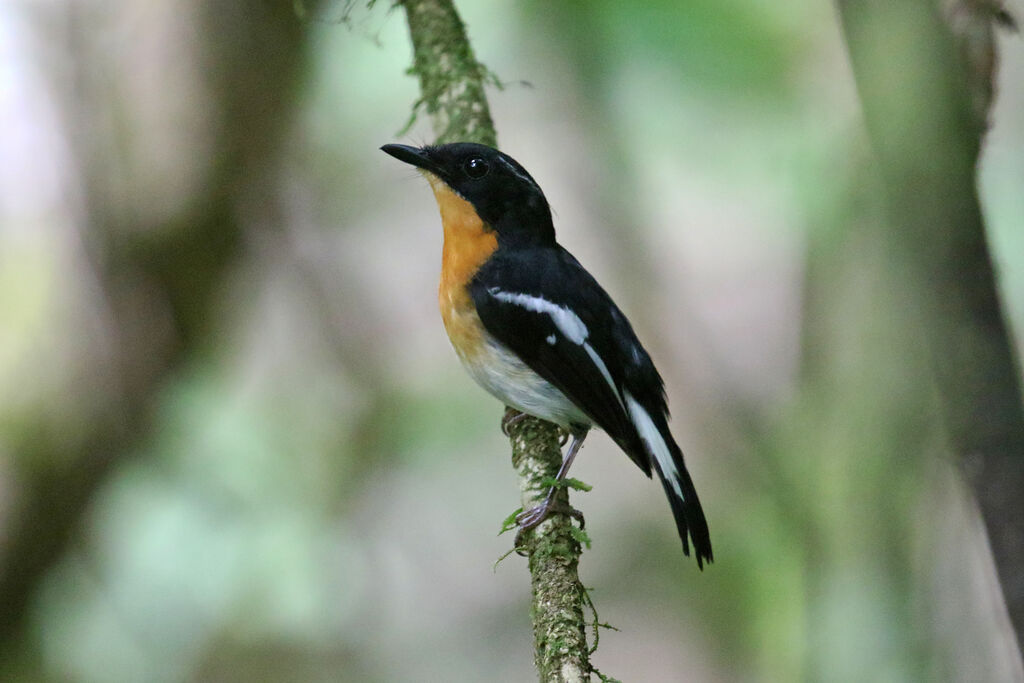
<point x="530" y="519"/>
<point x="510" y="419"/>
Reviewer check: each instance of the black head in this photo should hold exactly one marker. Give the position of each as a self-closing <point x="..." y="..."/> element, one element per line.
<point x="504" y="195"/>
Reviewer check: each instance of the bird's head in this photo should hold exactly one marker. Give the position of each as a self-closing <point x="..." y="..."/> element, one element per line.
<point x="503" y="194"/>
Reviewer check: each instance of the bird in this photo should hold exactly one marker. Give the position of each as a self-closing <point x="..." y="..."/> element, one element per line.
<point x="534" y="328"/>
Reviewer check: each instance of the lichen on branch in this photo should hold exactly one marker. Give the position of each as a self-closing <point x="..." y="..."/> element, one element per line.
<point x="451" y="79"/>
<point x="553" y="548"/>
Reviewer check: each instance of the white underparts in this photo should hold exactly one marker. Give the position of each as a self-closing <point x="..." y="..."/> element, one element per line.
<point x="655" y="443"/>
<point x="501" y="372"/>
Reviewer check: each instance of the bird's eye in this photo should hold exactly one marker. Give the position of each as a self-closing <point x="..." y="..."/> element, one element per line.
<point x="476" y="167"/>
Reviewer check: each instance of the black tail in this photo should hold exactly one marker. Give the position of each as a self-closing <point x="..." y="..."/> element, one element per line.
<point x="686" y="508"/>
<point x="650" y="443"/>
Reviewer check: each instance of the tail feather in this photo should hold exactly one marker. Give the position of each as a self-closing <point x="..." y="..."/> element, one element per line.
<point x="667" y="459"/>
<point x="687" y="512"/>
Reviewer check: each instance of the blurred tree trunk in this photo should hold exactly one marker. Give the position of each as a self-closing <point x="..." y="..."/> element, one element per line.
<point x="921" y="106"/>
<point x="159" y="277"/>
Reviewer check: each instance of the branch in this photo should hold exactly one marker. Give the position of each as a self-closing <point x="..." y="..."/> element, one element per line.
<point x="451" y="79"/>
<point x="927" y="135"/>
<point x="452" y="87"/>
<point x="559" y="636"/>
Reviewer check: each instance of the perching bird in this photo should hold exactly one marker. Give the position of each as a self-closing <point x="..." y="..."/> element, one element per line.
<point x="537" y="331"/>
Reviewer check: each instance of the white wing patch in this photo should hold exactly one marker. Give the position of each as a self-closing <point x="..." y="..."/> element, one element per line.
<point x="567" y="322"/>
<point x="603" y="368"/>
<point x="655" y="444"/>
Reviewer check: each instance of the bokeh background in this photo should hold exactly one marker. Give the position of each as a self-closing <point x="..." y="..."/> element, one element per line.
<point x="236" y="446"/>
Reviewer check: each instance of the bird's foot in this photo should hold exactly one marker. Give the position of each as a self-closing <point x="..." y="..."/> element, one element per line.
<point x="510" y="420"/>
<point x="529" y="519"/>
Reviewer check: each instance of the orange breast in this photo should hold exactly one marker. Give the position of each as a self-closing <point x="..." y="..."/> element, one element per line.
<point x="468" y="243"/>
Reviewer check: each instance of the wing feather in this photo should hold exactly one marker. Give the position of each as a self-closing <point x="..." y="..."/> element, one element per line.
<point x="534" y="307"/>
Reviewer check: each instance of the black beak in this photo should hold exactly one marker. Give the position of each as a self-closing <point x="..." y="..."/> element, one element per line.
<point x="413" y="155"/>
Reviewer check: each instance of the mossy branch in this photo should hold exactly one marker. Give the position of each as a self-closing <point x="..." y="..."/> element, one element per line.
<point x="452" y="92"/>
<point x="553" y="548"/>
<point x="451" y="79"/>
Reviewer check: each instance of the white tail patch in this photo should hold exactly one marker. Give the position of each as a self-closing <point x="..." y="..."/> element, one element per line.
<point x="656" y="445"/>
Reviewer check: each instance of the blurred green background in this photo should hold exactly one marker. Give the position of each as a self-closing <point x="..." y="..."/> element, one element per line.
<point x="235" y="444"/>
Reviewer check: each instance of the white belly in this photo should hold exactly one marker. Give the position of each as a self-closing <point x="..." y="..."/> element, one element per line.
<point x="510" y="380"/>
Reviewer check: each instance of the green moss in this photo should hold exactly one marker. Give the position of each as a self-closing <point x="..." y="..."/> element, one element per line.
<point x="451" y="78"/>
<point x="553" y="548"/>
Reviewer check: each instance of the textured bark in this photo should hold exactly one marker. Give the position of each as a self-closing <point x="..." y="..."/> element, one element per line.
<point x="452" y="87"/>
<point x="559" y="636"/>
<point x="451" y="79"/>
<point x="924" y="123"/>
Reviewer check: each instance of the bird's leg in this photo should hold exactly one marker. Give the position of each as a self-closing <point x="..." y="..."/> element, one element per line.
<point x="510" y="419"/>
<point x="528" y="519"/>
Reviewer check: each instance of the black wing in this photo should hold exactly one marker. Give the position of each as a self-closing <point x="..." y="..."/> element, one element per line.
<point x="544" y="306"/>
